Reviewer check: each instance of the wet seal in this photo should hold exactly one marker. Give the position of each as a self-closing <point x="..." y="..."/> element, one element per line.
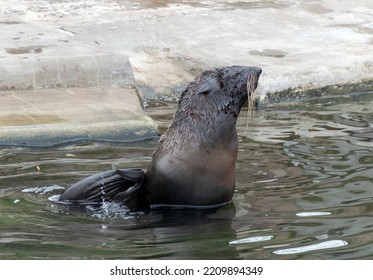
<point x="194" y="165"/>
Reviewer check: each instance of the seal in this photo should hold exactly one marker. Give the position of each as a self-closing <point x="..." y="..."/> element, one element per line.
<point x="194" y="163"/>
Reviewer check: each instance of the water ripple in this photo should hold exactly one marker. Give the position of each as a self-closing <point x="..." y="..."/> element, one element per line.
<point x="304" y="190"/>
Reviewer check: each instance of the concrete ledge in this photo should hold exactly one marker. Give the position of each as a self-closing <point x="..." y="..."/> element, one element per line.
<point x="66" y="71"/>
<point x="55" y="116"/>
<point x="302" y="46"/>
<point x="52" y="135"/>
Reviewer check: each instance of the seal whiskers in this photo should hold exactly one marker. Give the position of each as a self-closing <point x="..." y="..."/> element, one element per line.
<point x="251" y="82"/>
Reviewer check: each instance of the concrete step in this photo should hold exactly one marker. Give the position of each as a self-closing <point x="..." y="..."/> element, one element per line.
<point x="55" y="116"/>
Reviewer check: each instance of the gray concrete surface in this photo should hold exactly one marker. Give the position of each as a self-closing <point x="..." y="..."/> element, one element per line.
<point x="60" y="116"/>
<point x="304" y="47"/>
<point x="301" y="45"/>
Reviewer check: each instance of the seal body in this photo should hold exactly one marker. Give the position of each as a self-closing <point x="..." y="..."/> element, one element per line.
<point x="195" y="161"/>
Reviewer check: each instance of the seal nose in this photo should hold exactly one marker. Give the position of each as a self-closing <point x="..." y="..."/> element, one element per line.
<point x="257" y="71"/>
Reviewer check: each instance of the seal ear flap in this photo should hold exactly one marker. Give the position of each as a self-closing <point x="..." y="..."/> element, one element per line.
<point x="206" y="86"/>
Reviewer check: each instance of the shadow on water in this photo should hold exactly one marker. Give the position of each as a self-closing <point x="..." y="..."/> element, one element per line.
<point x="304" y="191"/>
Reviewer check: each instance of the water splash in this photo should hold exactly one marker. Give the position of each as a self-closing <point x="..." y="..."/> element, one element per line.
<point x="103" y="189"/>
<point x="110" y="210"/>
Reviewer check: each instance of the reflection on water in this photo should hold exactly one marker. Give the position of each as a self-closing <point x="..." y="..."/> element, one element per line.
<point x="318" y="246"/>
<point x="304" y="191"/>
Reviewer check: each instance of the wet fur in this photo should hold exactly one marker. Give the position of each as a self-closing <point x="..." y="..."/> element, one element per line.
<point x="194" y="163"/>
<point x="195" y="160"/>
<point x="196" y="117"/>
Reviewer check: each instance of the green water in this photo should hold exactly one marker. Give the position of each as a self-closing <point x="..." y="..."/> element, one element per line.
<point x="304" y="191"/>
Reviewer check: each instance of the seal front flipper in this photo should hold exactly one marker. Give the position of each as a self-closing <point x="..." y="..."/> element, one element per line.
<point x="119" y="185"/>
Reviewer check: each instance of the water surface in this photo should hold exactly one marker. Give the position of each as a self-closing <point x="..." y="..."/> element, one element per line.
<point x="304" y="191"/>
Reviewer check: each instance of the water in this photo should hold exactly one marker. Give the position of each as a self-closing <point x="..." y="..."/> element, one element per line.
<point x="304" y="191"/>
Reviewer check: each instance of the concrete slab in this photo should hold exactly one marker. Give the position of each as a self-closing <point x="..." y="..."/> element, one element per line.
<point x="58" y="116"/>
<point x="66" y="71"/>
<point x="302" y="46"/>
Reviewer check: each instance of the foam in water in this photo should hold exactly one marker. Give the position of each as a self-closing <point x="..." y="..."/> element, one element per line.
<point x="45" y="189"/>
